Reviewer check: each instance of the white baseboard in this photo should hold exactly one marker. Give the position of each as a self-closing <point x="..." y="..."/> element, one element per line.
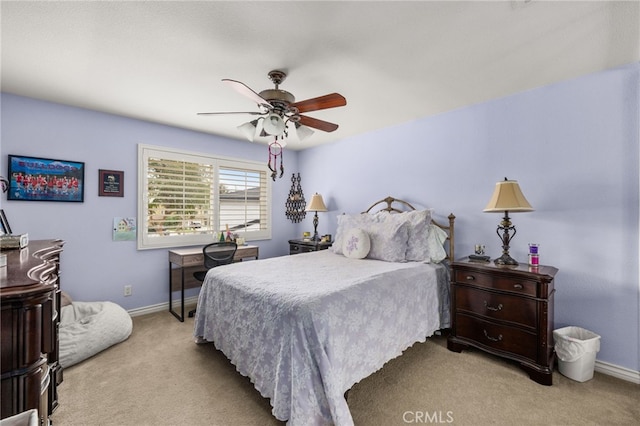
<point x="601" y="367"/>
<point x="162" y="307"/>
<point x="616" y="371"/>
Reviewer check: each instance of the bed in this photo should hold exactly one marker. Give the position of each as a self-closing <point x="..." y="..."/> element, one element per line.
<point x="306" y="328"/>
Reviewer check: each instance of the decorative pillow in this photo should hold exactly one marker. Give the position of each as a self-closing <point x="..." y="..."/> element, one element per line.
<point x="388" y="234"/>
<point x="417" y="247"/>
<point x="356" y="244"/>
<point x="435" y="240"/>
<point x="345" y="223"/>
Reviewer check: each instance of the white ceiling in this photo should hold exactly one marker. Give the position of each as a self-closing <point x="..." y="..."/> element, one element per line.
<point x="394" y="61"/>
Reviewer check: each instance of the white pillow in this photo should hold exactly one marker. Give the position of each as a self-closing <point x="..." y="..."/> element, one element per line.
<point x="388" y="234"/>
<point x="356" y="244"/>
<point x="435" y="240"/>
<point x="417" y="245"/>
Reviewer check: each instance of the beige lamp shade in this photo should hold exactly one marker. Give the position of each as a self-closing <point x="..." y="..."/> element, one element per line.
<point x="316" y="204"/>
<point x="507" y="197"/>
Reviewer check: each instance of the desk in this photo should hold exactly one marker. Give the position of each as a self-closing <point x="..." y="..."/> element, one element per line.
<point x="184" y="262"/>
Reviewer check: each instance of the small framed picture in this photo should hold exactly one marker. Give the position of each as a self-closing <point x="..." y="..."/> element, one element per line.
<point x="111" y="183"/>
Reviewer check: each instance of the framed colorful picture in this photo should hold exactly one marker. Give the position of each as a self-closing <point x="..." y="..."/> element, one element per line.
<point x="45" y="179"/>
<point x="111" y="183"/>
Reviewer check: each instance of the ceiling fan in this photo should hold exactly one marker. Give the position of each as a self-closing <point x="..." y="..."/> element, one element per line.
<point x="278" y="109"/>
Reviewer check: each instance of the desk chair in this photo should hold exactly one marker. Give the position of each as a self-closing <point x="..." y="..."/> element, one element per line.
<point x="215" y="254"/>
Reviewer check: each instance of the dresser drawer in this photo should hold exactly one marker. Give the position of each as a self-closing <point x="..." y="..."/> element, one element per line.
<point x="504" y="307"/>
<point x="497" y="282"/>
<point x="513" y="340"/>
<point x="297" y="248"/>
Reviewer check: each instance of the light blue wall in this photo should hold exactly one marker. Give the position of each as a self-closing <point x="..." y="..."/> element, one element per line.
<point x="95" y="267"/>
<point x="572" y="146"/>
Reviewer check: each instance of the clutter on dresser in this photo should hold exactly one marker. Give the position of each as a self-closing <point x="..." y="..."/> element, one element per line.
<point x="14" y="242"/>
<point x="534" y="256"/>
<point x="479" y="255"/>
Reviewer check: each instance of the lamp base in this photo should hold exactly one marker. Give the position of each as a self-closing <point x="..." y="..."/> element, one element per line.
<point x="316" y="237"/>
<point x="505" y="259"/>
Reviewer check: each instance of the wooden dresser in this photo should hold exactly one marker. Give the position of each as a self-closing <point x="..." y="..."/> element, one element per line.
<point x="507" y="311"/>
<point x="30" y="300"/>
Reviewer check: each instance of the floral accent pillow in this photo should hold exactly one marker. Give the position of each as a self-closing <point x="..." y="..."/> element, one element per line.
<point x="345" y="223"/>
<point x="356" y="244"/>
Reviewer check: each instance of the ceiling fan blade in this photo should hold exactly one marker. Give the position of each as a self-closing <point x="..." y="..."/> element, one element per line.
<point x="231" y="112"/>
<point x="321" y="102"/>
<point x="245" y="90"/>
<point x="325" y="126"/>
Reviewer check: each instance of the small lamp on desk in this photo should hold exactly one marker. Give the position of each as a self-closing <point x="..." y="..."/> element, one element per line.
<point x="507" y="197"/>
<point x="316" y="205"/>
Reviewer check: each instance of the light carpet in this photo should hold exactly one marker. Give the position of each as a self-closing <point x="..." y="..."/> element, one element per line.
<point x="159" y="376"/>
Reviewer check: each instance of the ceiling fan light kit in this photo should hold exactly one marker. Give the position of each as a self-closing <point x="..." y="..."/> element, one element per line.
<point x="273" y="124"/>
<point x="303" y="131"/>
<point x="249" y="129"/>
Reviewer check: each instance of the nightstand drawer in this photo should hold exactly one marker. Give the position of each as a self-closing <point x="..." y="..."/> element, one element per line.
<point x="497" y="282"/>
<point x="504" y="307"/>
<point x="495" y="336"/>
<point x="296" y="248"/>
<point x="301" y="246"/>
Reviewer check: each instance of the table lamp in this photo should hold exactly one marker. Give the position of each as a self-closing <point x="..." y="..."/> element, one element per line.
<point x="507" y="197"/>
<point x="316" y="205"/>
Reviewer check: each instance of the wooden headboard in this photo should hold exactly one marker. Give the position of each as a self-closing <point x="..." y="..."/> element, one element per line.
<point x="404" y="206"/>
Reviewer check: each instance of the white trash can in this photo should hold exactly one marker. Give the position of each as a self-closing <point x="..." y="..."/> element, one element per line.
<point x="576" y="349"/>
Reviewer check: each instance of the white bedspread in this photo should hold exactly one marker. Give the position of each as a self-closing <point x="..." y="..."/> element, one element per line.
<point x="306" y="328"/>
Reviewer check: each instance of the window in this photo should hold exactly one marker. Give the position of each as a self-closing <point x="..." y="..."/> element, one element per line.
<point x="186" y="197"/>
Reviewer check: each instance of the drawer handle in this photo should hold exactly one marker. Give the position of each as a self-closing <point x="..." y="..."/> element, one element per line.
<point x="517" y="286"/>
<point x="470" y="277"/>
<point x="493" y="339"/>
<point x="493" y="308"/>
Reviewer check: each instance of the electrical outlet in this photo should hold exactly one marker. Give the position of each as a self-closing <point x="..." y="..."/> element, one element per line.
<point x="127" y="290"/>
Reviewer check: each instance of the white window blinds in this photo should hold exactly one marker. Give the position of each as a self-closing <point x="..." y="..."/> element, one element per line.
<point x="187" y="197"/>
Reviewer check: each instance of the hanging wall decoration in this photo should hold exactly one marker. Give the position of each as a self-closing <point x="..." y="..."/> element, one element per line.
<point x="295" y="205"/>
<point x="275" y="151"/>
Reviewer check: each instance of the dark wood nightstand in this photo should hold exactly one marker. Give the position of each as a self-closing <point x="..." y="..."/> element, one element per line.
<point x="506" y="311"/>
<point x="301" y="246"/>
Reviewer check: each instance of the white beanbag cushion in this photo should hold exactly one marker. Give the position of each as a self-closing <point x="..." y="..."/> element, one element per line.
<point x="87" y="328"/>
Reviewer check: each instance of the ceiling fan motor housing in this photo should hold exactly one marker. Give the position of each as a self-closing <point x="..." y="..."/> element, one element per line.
<point x="277" y="95"/>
